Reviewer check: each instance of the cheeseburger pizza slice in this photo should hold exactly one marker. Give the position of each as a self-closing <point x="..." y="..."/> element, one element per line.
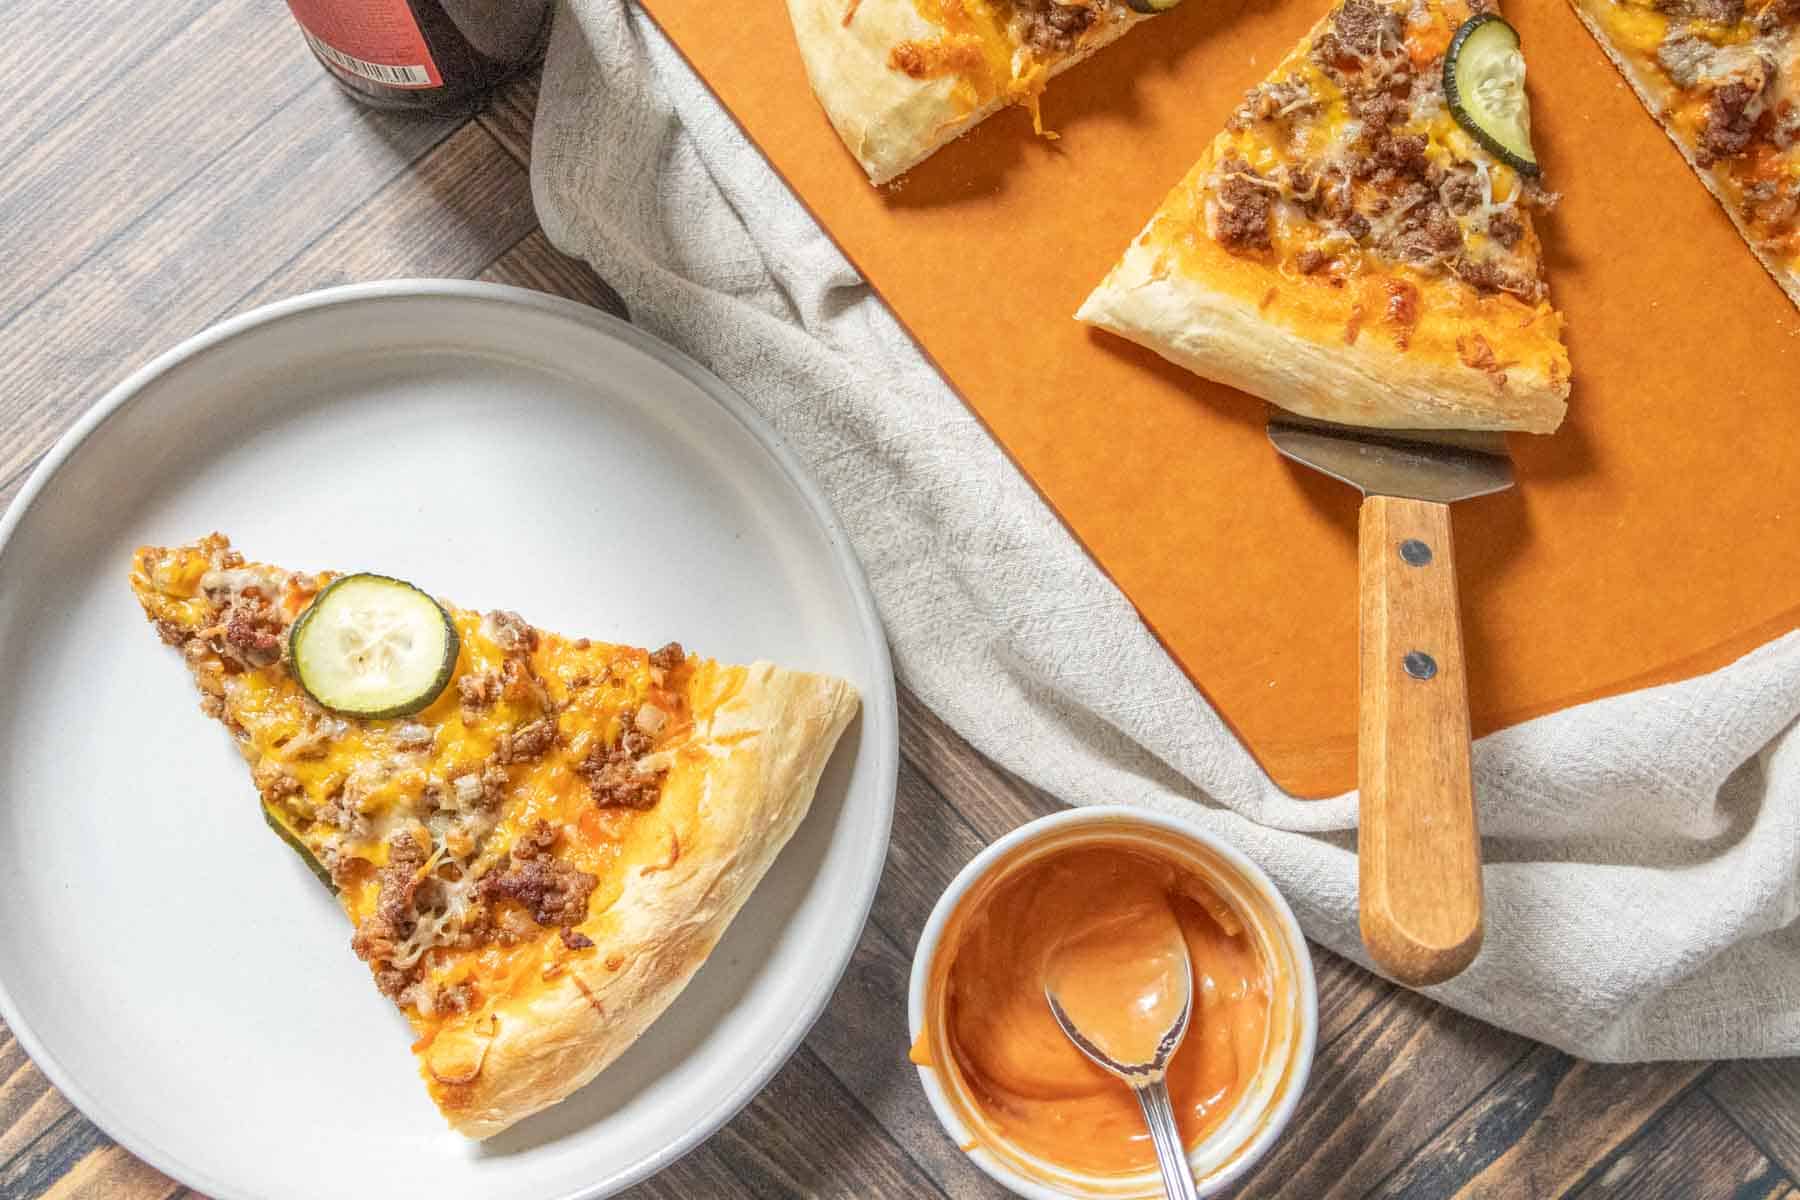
<point x="538" y="839"/>
<point x="1723" y="78"/>
<point x="1358" y="244"/>
<point x="902" y="78"/>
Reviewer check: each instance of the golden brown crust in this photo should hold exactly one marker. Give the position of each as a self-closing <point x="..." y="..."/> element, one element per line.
<point x="739" y="757"/>
<point x="890" y="121"/>
<point x="1382" y="343"/>
<point x="1658" y="96"/>
<point x="730" y="803"/>
<point x="1310" y="352"/>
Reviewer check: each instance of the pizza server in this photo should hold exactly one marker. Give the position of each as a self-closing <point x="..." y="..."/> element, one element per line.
<point x="1419" y="855"/>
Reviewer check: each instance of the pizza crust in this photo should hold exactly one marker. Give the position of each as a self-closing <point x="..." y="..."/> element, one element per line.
<point x="1226" y="337"/>
<point x="1655" y="98"/>
<point x="738" y="804"/>
<point x="890" y="121"/>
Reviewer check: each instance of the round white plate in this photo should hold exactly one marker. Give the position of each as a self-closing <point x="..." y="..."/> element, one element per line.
<point x="170" y="965"/>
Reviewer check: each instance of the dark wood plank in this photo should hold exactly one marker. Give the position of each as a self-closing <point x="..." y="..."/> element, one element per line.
<point x="75" y="52"/>
<point x="116" y="157"/>
<point x="458" y="208"/>
<point x="535" y="263"/>
<point x="1763" y="1098"/>
<point x="991" y="799"/>
<point x="807" y="1136"/>
<point x="1346" y="994"/>
<point x="509" y="114"/>
<point x="190" y="261"/>
<point x="112" y="1173"/>
<point x="52" y="1155"/>
<point x="862" y="1040"/>
<point x="1385" y="1089"/>
<point x="931" y="842"/>
<point x="29" y="1106"/>
<point x="1541" y="1128"/>
<point x="1693" y="1150"/>
<point x="699" y="1173"/>
<point x="11" y="487"/>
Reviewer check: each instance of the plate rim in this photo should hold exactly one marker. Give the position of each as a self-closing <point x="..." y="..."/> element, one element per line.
<point x="885" y="742"/>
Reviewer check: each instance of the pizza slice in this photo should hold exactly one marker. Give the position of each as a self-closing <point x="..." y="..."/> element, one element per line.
<point x="1723" y="78"/>
<point x="538" y="839"/>
<point x="902" y="78"/>
<point x="1358" y="243"/>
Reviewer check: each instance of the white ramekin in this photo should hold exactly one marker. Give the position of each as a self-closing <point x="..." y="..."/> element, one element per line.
<point x="1265" y="1109"/>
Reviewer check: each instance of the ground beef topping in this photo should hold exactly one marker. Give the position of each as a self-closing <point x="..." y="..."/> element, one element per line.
<point x="1243" y="208"/>
<point x="509" y="631"/>
<point x="615" y="781"/>
<point x="478" y="690"/>
<point x="1361" y="29"/>
<point x="1460" y="191"/>
<point x="1506" y="228"/>
<point x="1725" y="12"/>
<point x="1049" y="26"/>
<point x="378" y="937"/>
<point x="554" y="893"/>
<point x="526" y="743"/>
<point x="1730" y="121"/>
<point x="1426" y="234"/>
<point x="1490" y="276"/>
<point x="1270" y="100"/>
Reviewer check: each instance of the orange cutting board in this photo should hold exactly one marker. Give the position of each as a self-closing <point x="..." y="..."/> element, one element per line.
<point x="1656" y="536"/>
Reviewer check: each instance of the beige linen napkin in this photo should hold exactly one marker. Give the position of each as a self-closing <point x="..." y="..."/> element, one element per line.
<point x="1643" y="878"/>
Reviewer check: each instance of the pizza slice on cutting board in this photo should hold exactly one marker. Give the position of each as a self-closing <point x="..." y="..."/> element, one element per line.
<point x="538" y="839"/>
<point x="1723" y="79"/>
<point x="902" y="78"/>
<point x="1358" y="243"/>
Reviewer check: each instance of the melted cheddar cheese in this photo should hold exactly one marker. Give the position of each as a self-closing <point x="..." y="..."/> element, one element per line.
<point x="983" y="48"/>
<point x="543" y="758"/>
<point x="1723" y="76"/>
<point x="1346" y="201"/>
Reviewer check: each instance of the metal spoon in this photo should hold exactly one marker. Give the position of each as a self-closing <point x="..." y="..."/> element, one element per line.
<point x="1146" y="1079"/>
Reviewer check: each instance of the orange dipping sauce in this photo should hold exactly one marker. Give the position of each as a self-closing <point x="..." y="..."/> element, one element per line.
<point x="1097" y="913"/>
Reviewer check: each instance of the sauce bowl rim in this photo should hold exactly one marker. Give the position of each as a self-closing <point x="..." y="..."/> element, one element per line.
<point x="1286" y="926"/>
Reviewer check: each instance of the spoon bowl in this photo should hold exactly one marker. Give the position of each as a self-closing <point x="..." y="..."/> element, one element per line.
<point x="1143" y="987"/>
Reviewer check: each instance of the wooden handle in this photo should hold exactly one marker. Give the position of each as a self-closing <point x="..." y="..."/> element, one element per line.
<point x="1419" y="854"/>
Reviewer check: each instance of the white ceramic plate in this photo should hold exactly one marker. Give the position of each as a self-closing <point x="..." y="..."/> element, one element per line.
<point x="173" y="968"/>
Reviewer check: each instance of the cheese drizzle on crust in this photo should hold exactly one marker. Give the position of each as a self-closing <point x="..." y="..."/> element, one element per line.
<point x="900" y="79"/>
<point x="537" y="862"/>
<point x="1344" y="248"/>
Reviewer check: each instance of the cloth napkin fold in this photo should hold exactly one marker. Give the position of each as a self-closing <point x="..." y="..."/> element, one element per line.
<point x="1643" y="878"/>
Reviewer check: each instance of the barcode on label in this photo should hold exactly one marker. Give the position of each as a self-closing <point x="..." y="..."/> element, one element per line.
<point x="395" y="76"/>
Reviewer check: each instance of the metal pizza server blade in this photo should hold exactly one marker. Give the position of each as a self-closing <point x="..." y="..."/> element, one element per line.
<point x="1419" y="857"/>
<point x="1439" y="465"/>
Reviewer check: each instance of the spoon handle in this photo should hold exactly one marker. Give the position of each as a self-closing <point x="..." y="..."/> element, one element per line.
<point x="1159" y="1114"/>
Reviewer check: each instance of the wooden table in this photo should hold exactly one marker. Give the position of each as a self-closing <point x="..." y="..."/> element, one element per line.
<point x="169" y="164"/>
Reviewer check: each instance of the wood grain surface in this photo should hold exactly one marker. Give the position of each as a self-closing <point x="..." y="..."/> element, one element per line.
<point x="1418" y="852"/>
<point x="149" y="192"/>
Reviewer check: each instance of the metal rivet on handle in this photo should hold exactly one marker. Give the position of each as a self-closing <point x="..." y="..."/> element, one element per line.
<point x="1415" y="552"/>
<point x="1419" y="664"/>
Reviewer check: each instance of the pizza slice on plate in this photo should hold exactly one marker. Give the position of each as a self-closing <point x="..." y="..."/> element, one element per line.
<point x="902" y="78"/>
<point x="1723" y="78"/>
<point x="1358" y="243"/>
<point x="538" y="839"/>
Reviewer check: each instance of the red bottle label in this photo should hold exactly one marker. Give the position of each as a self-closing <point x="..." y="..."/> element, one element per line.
<point x="377" y="40"/>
